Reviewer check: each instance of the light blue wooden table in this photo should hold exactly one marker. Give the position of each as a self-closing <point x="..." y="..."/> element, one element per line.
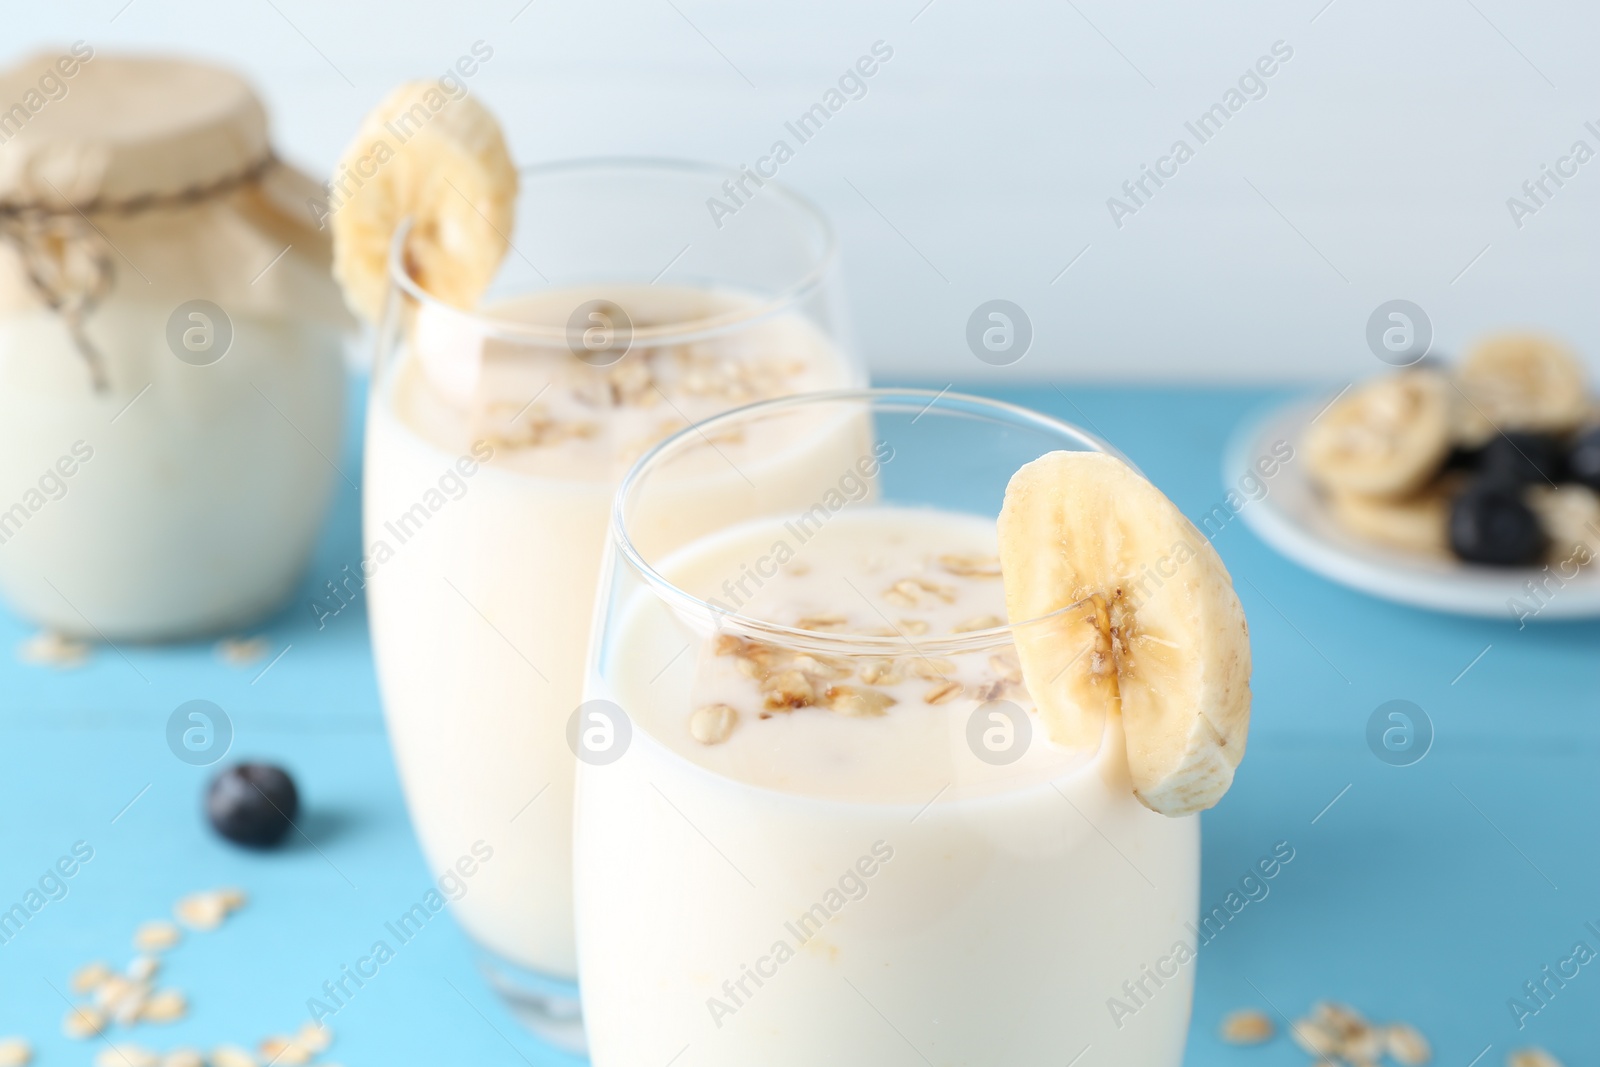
<point x="1430" y="892"/>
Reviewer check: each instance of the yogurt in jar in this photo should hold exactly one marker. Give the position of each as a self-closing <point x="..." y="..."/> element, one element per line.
<point x="171" y="377"/>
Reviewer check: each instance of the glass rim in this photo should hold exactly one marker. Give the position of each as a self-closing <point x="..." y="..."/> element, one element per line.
<point x="825" y="641"/>
<point x="664" y="334"/>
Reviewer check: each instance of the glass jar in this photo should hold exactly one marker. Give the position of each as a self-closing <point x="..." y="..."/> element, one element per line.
<point x="820" y="795"/>
<point x="495" y="440"/>
<point x="171" y="375"/>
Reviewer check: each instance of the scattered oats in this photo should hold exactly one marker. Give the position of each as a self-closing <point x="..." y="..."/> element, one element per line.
<point x="979" y="622"/>
<point x="1340" y="1019"/>
<point x="233" y="899"/>
<point x="156" y="936"/>
<point x="243" y="651"/>
<point x="727" y="644"/>
<point x="1339" y="1034"/>
<point x="1407" y="1045"/>
<point x="88" y="977"/>
<point x="1531" y="1057"/>
<point x="859" y="703"/>
<point x="126" y="1056"/>
<point x="1314" y="1038"/>
<point x="971" y="566"/>
<point x="898" y="597"/>
<point x="931" y="670"/>
<point x="284" y="1050"/>
<point x="882" y="672"/>
<point x="911" y="592"/>
<point x="201" y="911"/>
<point x="630" y="380"/>
<point x="832" y="621"/>
<point x="83" y="1022"/>
<point x="943" y="693"/>
<point x="113" y="991"/>
<point x="143" y="968"/>
<point x="315" y="1037"/>
<point x="1363" y="1046"/>
<point x="991" y="691"/>
<point x="166" y="1006"/>
<point x="789" y="689"/>
<point x="183" y="1057"/>
<point x="1247" y="1027"/>
<point x="1006" y="665"/>
<point x="130" y="1009"/>
<point x="15" y="1052"/>
<point x="822" y="668"/>
<point x="713" y="724"/>
<point x="914" y="627"/>
<point x="799" y="570"/>
<point x="231" y="1056"/>
<point x="49" y="649"/>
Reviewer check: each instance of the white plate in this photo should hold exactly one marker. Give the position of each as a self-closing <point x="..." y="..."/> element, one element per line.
<point x="1293" y="518"/>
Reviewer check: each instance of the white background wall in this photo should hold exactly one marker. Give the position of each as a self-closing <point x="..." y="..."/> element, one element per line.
<point x="1377" y="166"/>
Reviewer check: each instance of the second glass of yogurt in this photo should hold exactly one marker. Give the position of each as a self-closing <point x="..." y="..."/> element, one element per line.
<point x="829" y="825"/>
<point x="625" y="311"/>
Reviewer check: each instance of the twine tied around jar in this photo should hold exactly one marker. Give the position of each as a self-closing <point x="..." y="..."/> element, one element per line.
<point x="70" y="271"/>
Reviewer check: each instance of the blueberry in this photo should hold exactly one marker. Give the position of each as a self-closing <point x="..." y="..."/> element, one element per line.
<point x="1517" y="458"/>
<point x="1583" y="462"/>
<point x="252" y="804"/>
<point x="1464" y="459"/>
<point x="1490" y="524"/>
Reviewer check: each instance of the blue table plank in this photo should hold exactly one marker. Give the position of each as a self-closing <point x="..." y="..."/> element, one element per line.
<point x="1429" y="893"/>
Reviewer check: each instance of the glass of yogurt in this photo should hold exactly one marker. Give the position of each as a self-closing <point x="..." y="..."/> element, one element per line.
<point x="624" y="312"/>
<point x="818" y="819"/>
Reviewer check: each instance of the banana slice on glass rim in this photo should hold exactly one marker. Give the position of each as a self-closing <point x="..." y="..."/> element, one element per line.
<point x="442" y="162"/>
<point x="1154" y="632"/>
<point x="1385" y="438"/>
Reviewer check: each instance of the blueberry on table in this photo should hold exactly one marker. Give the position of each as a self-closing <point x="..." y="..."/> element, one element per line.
<point x="1517" y="458"/>
<point x="252" y="804"/>
<point x="1583" y="462"/>
<point x="1489" y="523"/>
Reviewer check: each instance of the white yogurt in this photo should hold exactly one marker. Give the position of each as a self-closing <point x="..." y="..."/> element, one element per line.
<point x="184" y="499"/>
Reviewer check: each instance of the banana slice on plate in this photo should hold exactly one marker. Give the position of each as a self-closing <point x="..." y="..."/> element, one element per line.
<point x="1520" y="382"/>
<point x="443" y="163"/>
<point x="1418" y="523"/>
<point x="1387" y="437"/>
<point x="1570" y="515"/>
<point x="1142" y="622"/>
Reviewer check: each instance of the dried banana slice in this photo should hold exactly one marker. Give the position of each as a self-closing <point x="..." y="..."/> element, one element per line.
<point x="1152" y="629"/>
<point x="1520" y="382"/>
<point x="443" y="163"/>
<point x="1387" y="437"/>
<point x="1419" y="523"/>
<point x="1570" y="516"/>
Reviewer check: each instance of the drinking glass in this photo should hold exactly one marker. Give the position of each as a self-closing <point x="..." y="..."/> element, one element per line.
<point x="624" y="310"/>
<point x="802" y="880"/>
